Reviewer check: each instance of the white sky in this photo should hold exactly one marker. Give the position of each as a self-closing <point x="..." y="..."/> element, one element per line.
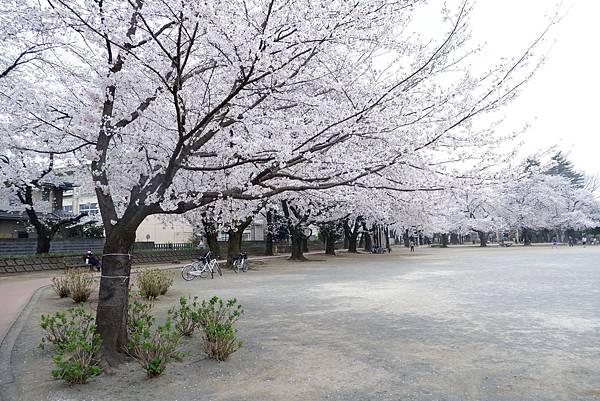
<point x="560" y="101"/>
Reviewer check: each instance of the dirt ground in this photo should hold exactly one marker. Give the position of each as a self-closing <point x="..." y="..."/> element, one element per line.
<point x="442" y="324"/>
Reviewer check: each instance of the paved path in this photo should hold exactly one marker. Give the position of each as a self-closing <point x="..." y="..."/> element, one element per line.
<point x="15" y="291"/>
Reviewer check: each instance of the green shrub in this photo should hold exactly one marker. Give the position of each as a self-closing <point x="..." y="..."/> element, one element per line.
<point x="138" y="315"/>
<point x="153" y="282"/>
<point x="60" y="285"/>
<point x="56" y="330"/>
<point x="186" y="317"/>
<point x="217" y="319"/>
<point x="154" y="349"/>
<point x="76" y="344"/>
<point x="80" y="285"/>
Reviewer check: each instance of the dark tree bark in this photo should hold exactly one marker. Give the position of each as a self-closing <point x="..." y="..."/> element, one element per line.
<point x="351" y="235"/>
<point x="482" y="238"/>
<point x="330" y="233"/>
<point x="43" y="243"/>
<point x="454" y="240"/>
<point x="406" y="239"/>
<point x="297" y="249"/>
<point x="211" y="235"/>
<point x="444" y="238"/>
<point x="387" y="239"/>
<point x="111" y="314"/>
<point x="269" y="234"/>
<point x="330" y="246"/>
<point x="296" y="236"/>
<point x="45" y="228"/>
<point x="526" y="237"/>
<point x="367" y="238"/>
<point x="234" y="242"/>
<point x="304" y="244"/>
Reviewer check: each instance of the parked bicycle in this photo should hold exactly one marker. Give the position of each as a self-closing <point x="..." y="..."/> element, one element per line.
<point x="239" y="262"/>
<point x="201" y="268"/>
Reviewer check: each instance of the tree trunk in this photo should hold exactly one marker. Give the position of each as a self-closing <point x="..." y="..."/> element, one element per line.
<point x="406" y="239"/>
<point x="111" y="314"/>
<point x="368" y="242"/>
<point x="213" y="243"/>
<point x="43" y="242"/>
<point x="444" y="237"/>
<point x="454" y="240"/>
<point x="482" y="238"/>
<point x="526" y="237"/>
<point x="329" y="240"/>
<point x="387" y="239"/>
<point x="351" y="236"/>
<point x="269" y="234"/>
<point x="297" y="248"/>
<point x="234" y="247"/>
<point x="304" y="244"/>
<point x="234" y="242"/>
<point x="330" y="246"/>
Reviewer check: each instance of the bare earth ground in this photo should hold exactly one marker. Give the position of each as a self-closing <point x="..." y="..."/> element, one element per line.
<point x="454" y="324"/>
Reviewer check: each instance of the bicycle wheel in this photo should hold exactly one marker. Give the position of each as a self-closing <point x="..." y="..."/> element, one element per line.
<point x="244" y="265"/>
<point x="204" y="272"/>
<point x="218" y="269"/>
<point x="185" y="272"/>
<point x="236" y="266"/>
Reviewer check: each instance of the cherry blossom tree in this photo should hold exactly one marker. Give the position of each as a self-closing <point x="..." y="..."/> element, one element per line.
<point x="31" y="185"/>
<point x="180" y="106"/>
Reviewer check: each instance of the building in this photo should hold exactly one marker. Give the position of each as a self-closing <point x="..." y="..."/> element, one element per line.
<point x="160" y="229"/>
<point x="14" y="222"/>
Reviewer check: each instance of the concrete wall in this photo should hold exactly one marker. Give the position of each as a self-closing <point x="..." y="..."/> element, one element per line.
<point x="27" y="246"/>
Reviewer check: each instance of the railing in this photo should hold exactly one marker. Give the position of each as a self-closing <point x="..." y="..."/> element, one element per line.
<point x="176" y="245"/>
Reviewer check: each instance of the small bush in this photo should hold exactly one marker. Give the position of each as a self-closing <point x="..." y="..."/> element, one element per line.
<point x="153" y="282"/>
<point x="80" y="285"/>
<point x="57" y="330"/>
<point x="153" y="349"/>
<point x="76" y="343"/>
<point x="138" y="316"/>
<point x="60" y="285"/>
<point x="217" y="319"/>
<point x="186" y="317"/>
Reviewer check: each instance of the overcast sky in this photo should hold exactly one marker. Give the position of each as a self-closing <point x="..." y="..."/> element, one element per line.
<point x="561" y="101"/>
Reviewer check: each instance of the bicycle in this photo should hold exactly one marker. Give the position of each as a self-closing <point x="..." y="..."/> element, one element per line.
<point x="239" y="262"/>
<point x="201" y="267"/>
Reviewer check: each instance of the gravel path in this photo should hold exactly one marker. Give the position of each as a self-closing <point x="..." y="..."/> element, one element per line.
<point x="442" y="324"/>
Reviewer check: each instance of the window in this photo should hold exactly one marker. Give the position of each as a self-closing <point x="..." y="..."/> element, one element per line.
<point x="90" y="208"/>
<point x="247" y="235"/>
<point x="68" y="208"/>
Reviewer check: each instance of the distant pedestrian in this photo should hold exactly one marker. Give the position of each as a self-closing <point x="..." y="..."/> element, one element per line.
<point x="584" y="241"/>
<point x="412" y="245"/>
<point x="92" y="261"/>
<point x="553" y="243"/>
<point x="570" y="241"/>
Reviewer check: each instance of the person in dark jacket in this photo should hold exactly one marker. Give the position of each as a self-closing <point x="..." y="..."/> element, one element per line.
<point x="92" y="261"/>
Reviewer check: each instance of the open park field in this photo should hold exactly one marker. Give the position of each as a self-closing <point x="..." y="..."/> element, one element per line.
<point x="441" y="324"/>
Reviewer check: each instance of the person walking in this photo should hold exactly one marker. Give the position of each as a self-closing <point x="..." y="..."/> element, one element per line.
<point x="554" y="243"/>
<point x="584" y="241"/>
<point x="412" y="245"/>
